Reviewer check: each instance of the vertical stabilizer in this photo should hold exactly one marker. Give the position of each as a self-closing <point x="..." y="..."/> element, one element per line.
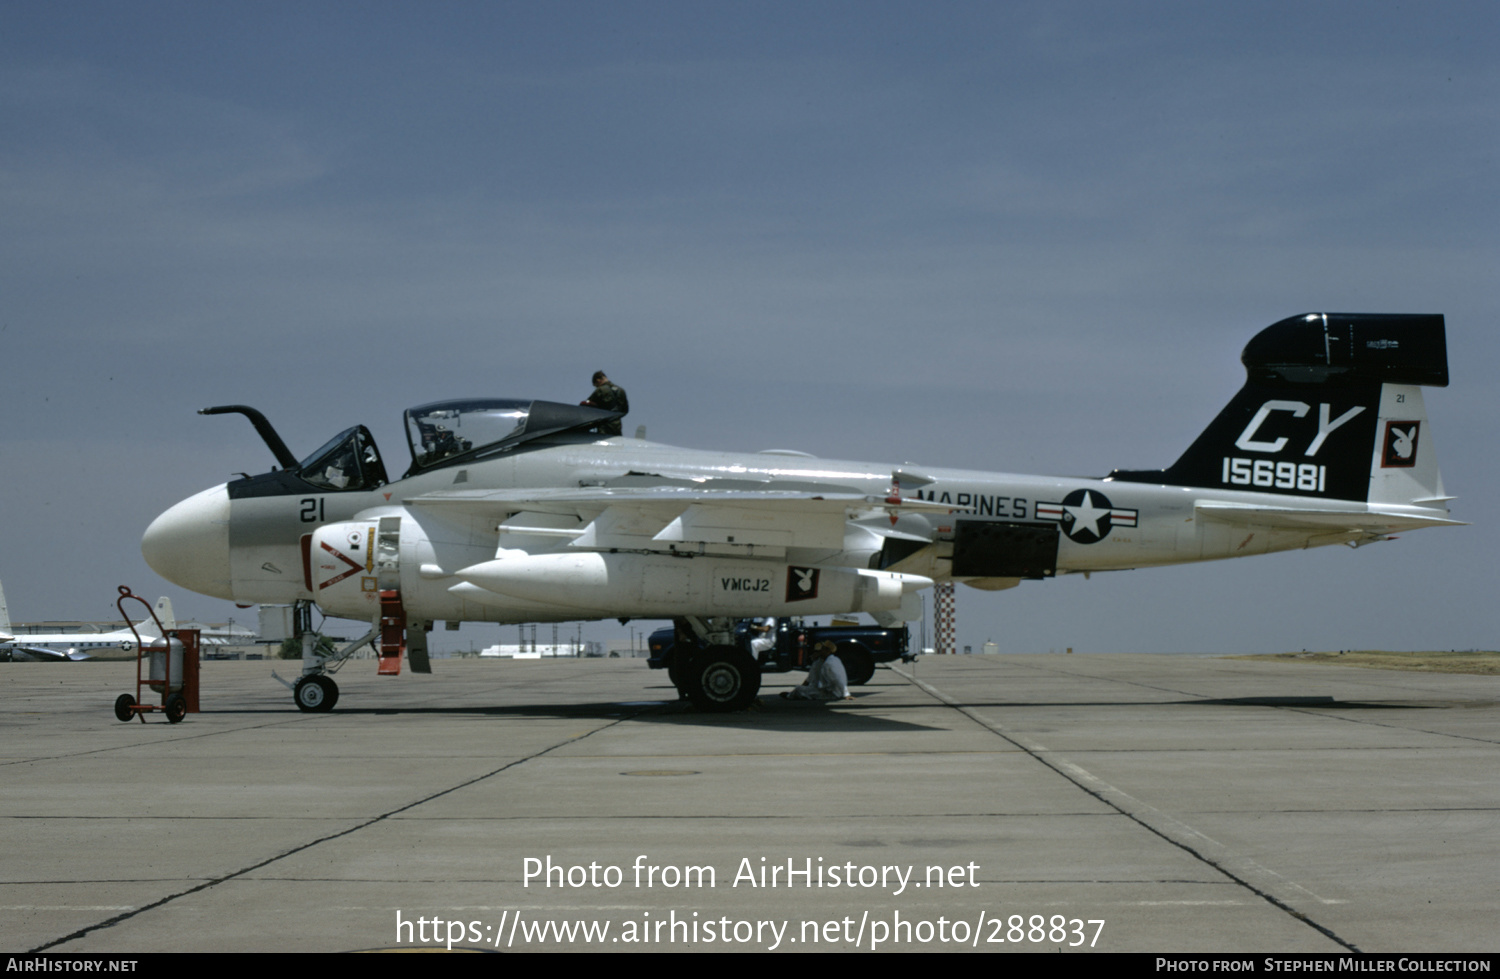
<point x="164" y="613"/>
<point x="4" y="612"/>
<point x="1331" y="409"/>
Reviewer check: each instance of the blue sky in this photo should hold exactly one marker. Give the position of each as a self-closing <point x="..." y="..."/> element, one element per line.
<point x="1018" y="237"/>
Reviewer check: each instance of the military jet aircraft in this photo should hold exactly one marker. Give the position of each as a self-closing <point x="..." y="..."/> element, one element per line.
<point x="515" y="510"/>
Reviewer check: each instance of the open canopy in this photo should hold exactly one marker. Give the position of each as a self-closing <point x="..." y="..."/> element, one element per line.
<point x="442" y="433"/>
<point x="446" y="432"/>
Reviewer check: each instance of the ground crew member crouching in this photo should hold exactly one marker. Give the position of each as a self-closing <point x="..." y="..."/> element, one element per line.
<point x="826" y="677"/>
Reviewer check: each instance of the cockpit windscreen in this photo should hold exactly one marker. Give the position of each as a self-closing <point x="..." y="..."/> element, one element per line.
<point x="348" y="461"/>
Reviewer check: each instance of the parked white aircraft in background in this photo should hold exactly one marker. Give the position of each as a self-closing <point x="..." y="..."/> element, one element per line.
<point x="77" y="644"/>
<point x="515" y="511"/>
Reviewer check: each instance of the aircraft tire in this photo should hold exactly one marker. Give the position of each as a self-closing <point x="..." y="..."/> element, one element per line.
<point x="858" y="663"/>
<point x="315" y="694"/>
<point x="123" y="703"/>
<point x="175" y="708"/>
<point x="722" y="679"/>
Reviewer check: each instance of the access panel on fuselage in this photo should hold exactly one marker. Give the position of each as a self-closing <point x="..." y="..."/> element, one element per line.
<point x="1004" y="549"/>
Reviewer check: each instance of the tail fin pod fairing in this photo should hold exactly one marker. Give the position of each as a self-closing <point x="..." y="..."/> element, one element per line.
<point x="1331" y="409"/>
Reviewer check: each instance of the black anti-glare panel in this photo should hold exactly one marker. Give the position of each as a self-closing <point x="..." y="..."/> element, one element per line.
<point x="1004" y="549"/>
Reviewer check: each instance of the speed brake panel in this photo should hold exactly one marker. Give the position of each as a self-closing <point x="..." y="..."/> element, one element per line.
<point x="1004" y="549"/>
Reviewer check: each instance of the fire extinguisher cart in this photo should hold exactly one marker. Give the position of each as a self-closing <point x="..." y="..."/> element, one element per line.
<point x="167" y="667"/>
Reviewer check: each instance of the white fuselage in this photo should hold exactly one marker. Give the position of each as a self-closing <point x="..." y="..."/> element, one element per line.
<point x="252" y="549"/>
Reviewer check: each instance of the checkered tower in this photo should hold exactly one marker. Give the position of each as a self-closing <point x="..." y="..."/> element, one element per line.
<point x="944" y="619"/>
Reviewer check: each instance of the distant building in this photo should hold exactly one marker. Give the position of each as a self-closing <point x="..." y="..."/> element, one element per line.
<point x="569" y="650"/>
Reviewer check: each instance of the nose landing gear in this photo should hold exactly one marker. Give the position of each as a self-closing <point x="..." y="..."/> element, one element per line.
<point x="316" y="693"/>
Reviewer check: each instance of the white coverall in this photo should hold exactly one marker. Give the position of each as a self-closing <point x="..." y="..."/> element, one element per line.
<point x="826" y="680"/>
<point x="763" y="640"/>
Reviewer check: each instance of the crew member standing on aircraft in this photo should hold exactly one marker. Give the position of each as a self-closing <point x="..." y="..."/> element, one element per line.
<point x="611" y="397"/>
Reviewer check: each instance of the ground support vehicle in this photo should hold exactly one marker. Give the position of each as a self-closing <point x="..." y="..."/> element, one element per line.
<point x="717" y="670"/>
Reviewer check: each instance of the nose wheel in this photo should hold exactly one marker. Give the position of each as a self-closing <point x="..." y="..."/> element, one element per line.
<point x="316" y="693"/>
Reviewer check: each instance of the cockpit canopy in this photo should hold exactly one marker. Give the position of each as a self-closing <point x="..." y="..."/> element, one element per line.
<point x="442" y="433"/>
<point x="445" y="432"/>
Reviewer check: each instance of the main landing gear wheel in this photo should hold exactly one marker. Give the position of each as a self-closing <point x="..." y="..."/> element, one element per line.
<point x="316" y="693"/>
<point x="858" y="663"/>
<point x="175" y="707"/>
<point x="123" y="703"/>
<point x="721" y="679"/>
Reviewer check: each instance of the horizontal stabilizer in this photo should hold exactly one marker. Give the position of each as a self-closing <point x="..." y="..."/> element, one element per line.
<point x="1290" y="518"/>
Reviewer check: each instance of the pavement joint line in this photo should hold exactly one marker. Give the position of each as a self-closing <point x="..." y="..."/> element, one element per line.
<point x="364" y="824"/>
<point x="1301" y="710"/>
<point x="1254" y="877"/>
<point x="1395" y="727"/>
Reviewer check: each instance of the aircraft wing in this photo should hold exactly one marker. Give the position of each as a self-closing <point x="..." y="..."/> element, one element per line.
<point x="659" y="517"/>
<point x="1373" y="521"/>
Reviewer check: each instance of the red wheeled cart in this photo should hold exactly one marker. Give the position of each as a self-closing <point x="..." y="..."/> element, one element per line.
<point x="168" y="666"/>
